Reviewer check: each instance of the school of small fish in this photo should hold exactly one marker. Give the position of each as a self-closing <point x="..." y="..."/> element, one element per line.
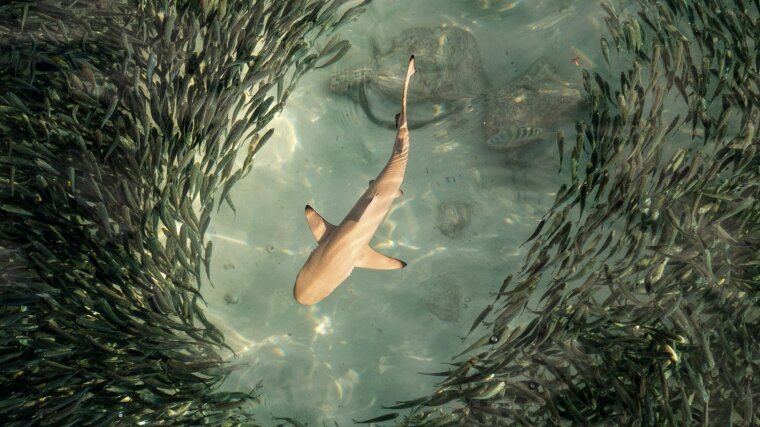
<point x="115" y="124"/>
<point x="637" y="300"/>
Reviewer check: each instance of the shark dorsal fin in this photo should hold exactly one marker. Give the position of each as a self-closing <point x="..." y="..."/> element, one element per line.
<point x="374" y="260"/>
<point x="319" y="227"/>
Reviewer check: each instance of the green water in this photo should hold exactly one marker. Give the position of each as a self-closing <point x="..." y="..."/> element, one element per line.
<point x="363" y="346"/>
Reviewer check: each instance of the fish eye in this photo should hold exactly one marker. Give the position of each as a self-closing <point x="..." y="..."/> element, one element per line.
<point x="494" y="339"/>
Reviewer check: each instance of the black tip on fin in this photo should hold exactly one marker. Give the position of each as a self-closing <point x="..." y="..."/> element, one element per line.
<point x="307" y="208"/>
<point x="403" y="264"/>
<point x="398" y="117"/>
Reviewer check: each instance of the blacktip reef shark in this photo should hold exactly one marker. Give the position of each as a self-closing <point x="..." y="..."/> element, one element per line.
<point x="340" y="249"/>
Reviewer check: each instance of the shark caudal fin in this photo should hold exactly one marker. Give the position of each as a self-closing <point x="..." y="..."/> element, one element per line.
<point x="410" y="70"/>
<point x="319" y="227"/>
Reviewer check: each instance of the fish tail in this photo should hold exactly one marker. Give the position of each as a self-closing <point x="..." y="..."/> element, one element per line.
<point x="410" y="70"/>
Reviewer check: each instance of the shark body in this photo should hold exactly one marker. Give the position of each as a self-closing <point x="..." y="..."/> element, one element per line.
<point x="342" y="248"/>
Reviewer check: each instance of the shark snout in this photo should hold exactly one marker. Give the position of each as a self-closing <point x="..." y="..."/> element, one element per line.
<point x="307" y="288"/>
<point x="299" y="292"/>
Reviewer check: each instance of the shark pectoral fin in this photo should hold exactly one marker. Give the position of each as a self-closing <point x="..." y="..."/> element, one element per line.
<point x="374" y="260"/>
<point x="319" y="227"/>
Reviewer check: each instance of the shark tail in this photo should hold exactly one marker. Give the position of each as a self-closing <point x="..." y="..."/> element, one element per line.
<point x="410" y="70"/>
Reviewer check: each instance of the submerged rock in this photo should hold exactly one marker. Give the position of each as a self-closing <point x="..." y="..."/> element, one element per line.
<point x="530" y="108"/>
<point x="451" y="77"/>
<point x="453" y="217"/>
<point x="447" y="59"/>
<point x="231" y="298"/>
<point x="443" y="298"/>
<point x="448" y="64"/>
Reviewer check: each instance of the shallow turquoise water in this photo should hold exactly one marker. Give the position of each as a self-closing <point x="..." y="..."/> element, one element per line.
<point x="363" y="346"/>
